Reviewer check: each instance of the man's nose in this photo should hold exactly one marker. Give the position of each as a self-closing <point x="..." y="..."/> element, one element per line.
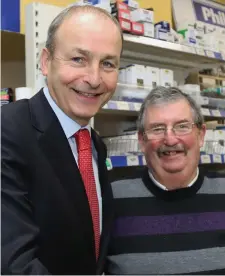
<point x="170" y="138"/>
<point x="94" y="78"/>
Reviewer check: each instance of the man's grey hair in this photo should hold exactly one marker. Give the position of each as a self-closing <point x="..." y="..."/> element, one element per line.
<point x="162" y="95"/>
<point x="67" y="12"/>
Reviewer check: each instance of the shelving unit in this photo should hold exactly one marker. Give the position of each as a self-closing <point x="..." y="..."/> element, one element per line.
<point x="147" y="50"/>
<point x="206" y="80"/>
<point x="117" y="114"/>
<point x="139" y="160"/>
<point x="132" y="108"/>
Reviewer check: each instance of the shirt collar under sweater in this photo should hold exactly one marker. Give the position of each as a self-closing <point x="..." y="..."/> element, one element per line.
<point x="172" y="195"/>
<point x="163" y="187"/>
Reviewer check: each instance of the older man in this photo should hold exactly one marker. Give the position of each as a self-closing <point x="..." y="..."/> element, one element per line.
<point x="171" y="220"/>
<point x="56" y="198"/>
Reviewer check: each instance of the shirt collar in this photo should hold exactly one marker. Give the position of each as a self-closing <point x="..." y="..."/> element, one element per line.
<point x="69" y="126"/>
<point x="163" y="187"/>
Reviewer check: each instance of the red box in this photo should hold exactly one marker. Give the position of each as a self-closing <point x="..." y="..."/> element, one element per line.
<point x="125" y="25"/>
<point x="121" y="6"/>
<point x="137" y="28"/>
<point x="124" y="14"/>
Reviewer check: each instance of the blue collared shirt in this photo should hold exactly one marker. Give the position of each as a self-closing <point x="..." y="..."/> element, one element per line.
<point x="70" y="127"/>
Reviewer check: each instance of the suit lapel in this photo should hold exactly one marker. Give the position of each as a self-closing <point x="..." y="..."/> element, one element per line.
<point x="107" y="202"/>
<point x="56" y="147"/>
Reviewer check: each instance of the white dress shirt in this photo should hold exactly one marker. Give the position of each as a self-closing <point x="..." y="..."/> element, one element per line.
<point x="70" y="127"/>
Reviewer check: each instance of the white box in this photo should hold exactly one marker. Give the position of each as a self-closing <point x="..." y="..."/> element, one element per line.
<point x="81" y="3"/>
<point x="142" y="15"/>
<point x="166" y="77"/>
<point x="189" y="35"/>
<point x="171" y="37"/>
<point x="104" y="6"/>
<point x="122" y="75"/>
<point x="149" y="29"/>
<point x="135" y="74"/>
<point x="132" y="4"/>
<point x="209" y="28"/>
<point x="209" y="135"/>
<point x="160" y="33"/>
<point x="151" y="77"/>
<point x="219" y="134"/>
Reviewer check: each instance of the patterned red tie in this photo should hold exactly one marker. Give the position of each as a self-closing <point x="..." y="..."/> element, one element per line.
<point x="84" y="150"/>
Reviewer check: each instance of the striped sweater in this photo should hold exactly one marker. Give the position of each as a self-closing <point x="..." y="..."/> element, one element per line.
<point x="168" y="232"/>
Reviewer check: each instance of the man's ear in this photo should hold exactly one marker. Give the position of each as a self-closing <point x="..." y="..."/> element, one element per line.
<point x="141" y="140"/>
<point x="45" y="57"/>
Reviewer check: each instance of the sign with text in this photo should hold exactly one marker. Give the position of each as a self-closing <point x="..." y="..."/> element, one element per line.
<point x="205" y="12"/>
<point x="209" y="14"/>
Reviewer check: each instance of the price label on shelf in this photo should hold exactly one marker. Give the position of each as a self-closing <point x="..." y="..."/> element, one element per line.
<point x="112" y="105"/>
<point x="144" y="160"/>
<point x="205" y="159"/>
<point x="205" y="111"/>
<point x="200" y="51"/>
<point x="218" y="55"/>
<point x="132" y="160"/>
<point x="223" y="155"/>
<point x="216" y="113"/>
<point x="210" y="53"/>
<point x="108" y="164"/>
<point x="123" y="106"/>
<point x="137" y="106"/>
<point x="217" y="158"/>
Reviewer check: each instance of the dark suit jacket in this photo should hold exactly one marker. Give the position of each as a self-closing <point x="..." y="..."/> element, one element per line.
<point x="46" y="220"/>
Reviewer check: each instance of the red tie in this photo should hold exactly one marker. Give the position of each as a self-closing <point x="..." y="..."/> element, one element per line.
<point x="84" y="150"/>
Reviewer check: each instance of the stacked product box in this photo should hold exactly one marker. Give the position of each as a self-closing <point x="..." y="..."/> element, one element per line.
<point x="6" y="96"/>
<point x="139" y="80"/>
<point x="145" y="20"/>
<point x="133" y="19"/>
<point x="162" y="30"/>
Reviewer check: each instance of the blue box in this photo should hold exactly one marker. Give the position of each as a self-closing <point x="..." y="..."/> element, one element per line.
<point x="10" y="15"/>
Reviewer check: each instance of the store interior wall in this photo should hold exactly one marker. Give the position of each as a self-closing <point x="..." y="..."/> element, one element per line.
<point x="160" y="14"/>
<point x="162" y="8"/>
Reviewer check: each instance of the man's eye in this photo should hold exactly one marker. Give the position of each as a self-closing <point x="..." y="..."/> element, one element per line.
<point x="78" y="59"/>
<point x="182" y="126"/>
<point x="108" y="64"/>
<point x="158" y="129"/>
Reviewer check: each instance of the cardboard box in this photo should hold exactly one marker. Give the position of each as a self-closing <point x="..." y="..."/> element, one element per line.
<point x="132" y="4"/>
<point x="149" y="30"/>
<point x="219" y="134"/>
<point x="189" y="35"/>
<point x="142" y="15"/>
<point x="162" y="29"/>
<point x="151" y="77"/>
<point x="166" y="77"/>
<point x="123" y="14"/>
<point x="125" y="25"/>
<point x="121" y="6"/>
<point x="161" y="34"/>
<point x="137" y="28"/>
<point x="135" y="74"/>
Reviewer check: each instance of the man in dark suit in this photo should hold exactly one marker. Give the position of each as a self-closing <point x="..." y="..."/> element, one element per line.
<point x="56" y="199"/>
